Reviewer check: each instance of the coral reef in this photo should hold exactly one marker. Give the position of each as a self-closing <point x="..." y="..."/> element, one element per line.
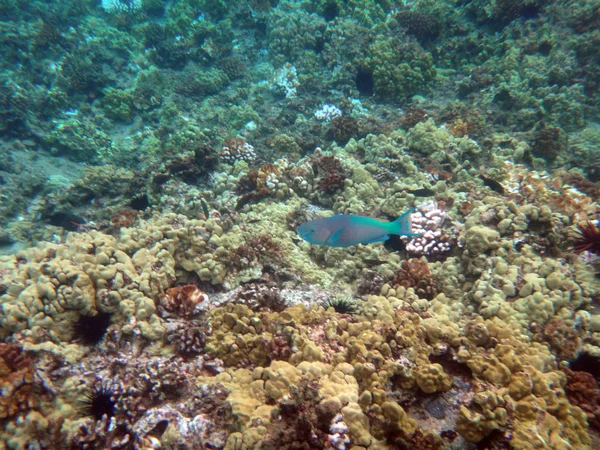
<point x="156" y="160"/>
<point x="236" y="149"/>
<point x="431" y="223"/>
<point x="344" y="128"/>
<point x="582" y="390"/>
<point x="331" y="173"/>
<point x="414" y="273"/>
<point x="400" y="70"/>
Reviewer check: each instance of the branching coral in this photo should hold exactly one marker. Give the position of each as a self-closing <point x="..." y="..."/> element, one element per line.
<point x="330" y="173"/>
<point x="344" y="128"/>
<point x="582" y="390"/>
<point x="189" y="338"/>
<point x="429" y="221"/>
<point x="302" y="421"/>
<point x="124" y="218"/>
<point x="104" y="433"/>
<point x="183" y="301"/>
<point x="414" y="273"/>
<point x="22" y="390"/>
<point x="424" y="27"/>
<point x="185" y="309"/>
<point x="236" y="149"/>
<point x="548" y="143"/>
<point x="260" y="296"/>
<point x="257" y="250"/>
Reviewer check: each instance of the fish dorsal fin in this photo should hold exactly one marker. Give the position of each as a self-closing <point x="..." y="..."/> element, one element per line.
<point x="334" y="237"/>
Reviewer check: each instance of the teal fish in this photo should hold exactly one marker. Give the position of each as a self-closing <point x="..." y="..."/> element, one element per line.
<point x="345" y="230"/>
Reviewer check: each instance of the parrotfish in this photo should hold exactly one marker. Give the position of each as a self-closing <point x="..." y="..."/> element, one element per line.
<point x="346" y="230"/>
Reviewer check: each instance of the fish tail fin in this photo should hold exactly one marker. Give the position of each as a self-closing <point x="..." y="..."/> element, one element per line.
<point x="402" y="225"/>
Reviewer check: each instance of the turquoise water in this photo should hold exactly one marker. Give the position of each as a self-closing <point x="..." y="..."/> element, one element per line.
<point x="157" y="158"/>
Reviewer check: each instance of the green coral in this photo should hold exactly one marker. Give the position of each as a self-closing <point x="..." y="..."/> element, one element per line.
<point x="118" y="104"/>
<point x="292" y="33"/>
<point x="80" y="140"/>
<point x="367" y="13"/>
<point x="203" y="82"/>
<point x="400" y="70"/>
<point x="502" y="12"/>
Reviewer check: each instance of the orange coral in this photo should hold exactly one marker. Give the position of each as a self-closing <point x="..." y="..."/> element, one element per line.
<point x="414" y="273"/>
<point x="582" y="390"/>
<point x="458" y="128"/>
<point x="412" y="117"/>
<point x="12" y="359"/>
<point x="438" y="173"/>
<point x="562" y="337"/>
<point x="124" y="218"/>
<point x="255" y="184"/>
<point x="258" y="249"/>
<point x="331" y="173"/>
<point x="185" y="301"/>
<point x="20" y="393"/>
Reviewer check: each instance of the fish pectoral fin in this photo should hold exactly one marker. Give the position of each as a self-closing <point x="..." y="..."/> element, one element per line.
<point x="377" y="239"/>
<point x="334" y="237"/>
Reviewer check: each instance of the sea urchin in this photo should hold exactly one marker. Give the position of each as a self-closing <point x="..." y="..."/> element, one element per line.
<point x="587" y="239"/>
<point x="90" y="330"/>
<point x="341" y="305"/>
<point x="99" y="402"/>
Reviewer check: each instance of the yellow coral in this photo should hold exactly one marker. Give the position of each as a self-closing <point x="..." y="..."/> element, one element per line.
<point x="431" y="378"/>
<point x="486" y="413"/>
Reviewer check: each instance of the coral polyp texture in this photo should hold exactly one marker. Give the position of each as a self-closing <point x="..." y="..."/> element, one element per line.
<point x="158" y="158"/>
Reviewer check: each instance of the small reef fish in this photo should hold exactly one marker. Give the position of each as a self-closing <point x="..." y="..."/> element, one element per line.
<point x="492" y="184"/>
<point x="345" y="230"/>
<point x="66" y="220"/>
<point x="423" y="192"/>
